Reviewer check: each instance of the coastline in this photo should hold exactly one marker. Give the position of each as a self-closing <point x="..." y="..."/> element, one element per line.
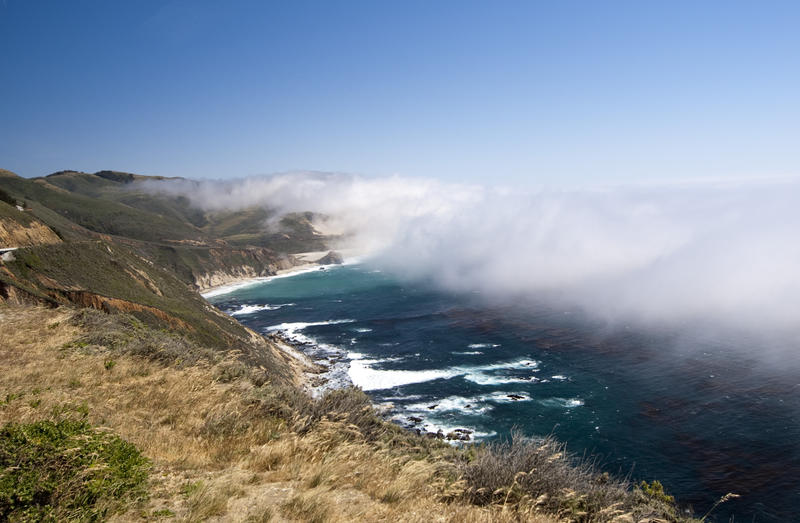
<point x="324" y="368"/>
<point x="306" y="265"/>
<point x="246" y="281"/>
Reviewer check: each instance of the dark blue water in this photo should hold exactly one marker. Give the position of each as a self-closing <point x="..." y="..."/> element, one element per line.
<point x="692" y="410"/>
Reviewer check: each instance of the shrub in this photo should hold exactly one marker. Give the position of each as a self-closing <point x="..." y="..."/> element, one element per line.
<point x="538" y="470"/>
<point x="540" y="476"/>
<point x="655" y="490"/>
<point x="308" y="507"/>
<point x="59" y="470"/>
<point x="350" y="405"/>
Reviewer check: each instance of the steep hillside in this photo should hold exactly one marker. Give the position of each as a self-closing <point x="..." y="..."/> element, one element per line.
<point x="99" y="215"/>
<point x="77" y="247"/>
<point x="201" y="249"/>
<point x="254" y="227"/>
<point x="204" y="267"/>
<point x="18" y="228"/>
<point x="108" y="276"/>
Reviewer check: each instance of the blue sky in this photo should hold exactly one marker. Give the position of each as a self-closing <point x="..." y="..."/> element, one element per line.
<point x="560" y="92"/>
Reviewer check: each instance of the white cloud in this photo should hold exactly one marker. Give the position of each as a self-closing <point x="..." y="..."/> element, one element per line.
<point x="727" y="253"/>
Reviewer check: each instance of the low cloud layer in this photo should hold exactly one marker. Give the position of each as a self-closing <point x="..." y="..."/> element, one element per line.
<point x="727" y="253"/>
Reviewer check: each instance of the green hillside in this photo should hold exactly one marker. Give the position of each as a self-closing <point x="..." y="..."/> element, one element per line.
<point x="93" y="211"/>
<point x="200" y="248"/>
<point x="120" y="249"/>
<point x="138" y="212"/>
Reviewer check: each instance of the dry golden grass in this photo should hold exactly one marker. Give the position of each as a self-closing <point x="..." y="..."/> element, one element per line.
<point x="215" y="455"/>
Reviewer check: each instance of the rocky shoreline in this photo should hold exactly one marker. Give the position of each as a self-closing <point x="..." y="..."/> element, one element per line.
<point x="327" y="369"/>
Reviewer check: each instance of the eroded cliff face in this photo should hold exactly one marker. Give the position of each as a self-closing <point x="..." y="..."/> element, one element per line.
<point x="16" y="234"/>
<point x="224" y="267"/>
<point x="112" y="305"/>
<point x="12" y="295"/>
<point x="16" y="292"/>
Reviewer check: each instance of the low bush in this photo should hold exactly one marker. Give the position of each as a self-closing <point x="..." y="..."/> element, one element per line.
<point x="351" y="406"/>
<point x="655" y="490"/>
<point x="539" y="475"/>
<point x="67" y="470"/>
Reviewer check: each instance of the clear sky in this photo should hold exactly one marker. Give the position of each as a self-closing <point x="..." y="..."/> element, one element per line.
<point x="537" y="92"/>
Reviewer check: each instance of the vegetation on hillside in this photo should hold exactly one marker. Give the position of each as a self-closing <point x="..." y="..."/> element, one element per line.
<point x="111" y="277"/>
<point x="67" y="470"/>
<point x="5" y="197"/>
<point x="200" y="248"/>
<point x="225" y="440"/>
<point x="98" y="214"/>
<point x="120" y="204"/>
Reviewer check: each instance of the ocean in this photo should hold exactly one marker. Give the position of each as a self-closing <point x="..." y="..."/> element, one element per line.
<point x="692" y="408"/>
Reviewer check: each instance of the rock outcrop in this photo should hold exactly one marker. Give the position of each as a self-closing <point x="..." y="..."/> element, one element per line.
<point x="332" y="258"/>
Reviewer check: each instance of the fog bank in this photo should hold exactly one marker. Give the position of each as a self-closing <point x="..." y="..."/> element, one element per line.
<point x="722" y="252"/>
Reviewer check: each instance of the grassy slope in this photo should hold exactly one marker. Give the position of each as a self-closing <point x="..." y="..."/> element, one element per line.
<point x="289" y="234"/>
<point x="88" y="272"/>
<point x="226" y="445"/>
<point x="98" y="214"/>
<point x="9" y="211"/>
<point x="122" y="188"/>
<point x="150" y="280"/>
<point x="112" y="209"/>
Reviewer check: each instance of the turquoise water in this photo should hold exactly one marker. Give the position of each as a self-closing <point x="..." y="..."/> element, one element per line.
<point x="690" y="409"/>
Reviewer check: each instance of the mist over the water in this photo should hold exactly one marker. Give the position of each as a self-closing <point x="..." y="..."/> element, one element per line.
<point x="722" y="254"/>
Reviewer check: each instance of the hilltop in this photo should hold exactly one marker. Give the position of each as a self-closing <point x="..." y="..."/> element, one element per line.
<point x="142" y="400"/>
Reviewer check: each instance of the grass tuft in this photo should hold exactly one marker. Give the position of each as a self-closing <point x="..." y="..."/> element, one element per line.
<point x="309" y="507"/>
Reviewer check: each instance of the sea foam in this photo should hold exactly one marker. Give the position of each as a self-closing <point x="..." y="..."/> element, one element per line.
<point x="251" y="309"/>
<point x="374" y="379"/>
<point x="292" y="332"/>
<point x="368" y="378"/>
